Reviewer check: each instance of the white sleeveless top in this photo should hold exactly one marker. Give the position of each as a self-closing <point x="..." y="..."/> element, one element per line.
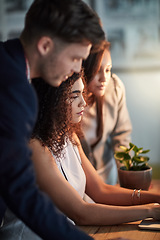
<point x="70" y="166"/>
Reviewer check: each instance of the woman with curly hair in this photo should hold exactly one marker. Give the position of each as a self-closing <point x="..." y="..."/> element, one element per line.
<point x="63" y="170"/>
<point x="54" y="125"/>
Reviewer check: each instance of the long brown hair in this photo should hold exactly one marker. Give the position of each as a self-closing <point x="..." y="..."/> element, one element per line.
<point x="91" y="67"/>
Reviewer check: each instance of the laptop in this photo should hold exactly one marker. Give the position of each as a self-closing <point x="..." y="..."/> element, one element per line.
<point x="150" y="224"/>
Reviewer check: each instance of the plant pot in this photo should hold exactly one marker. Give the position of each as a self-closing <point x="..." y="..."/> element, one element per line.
<point x="135" y="179"/>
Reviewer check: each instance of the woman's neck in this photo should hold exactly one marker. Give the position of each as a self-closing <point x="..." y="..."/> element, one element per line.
<point x="91" y="99"/>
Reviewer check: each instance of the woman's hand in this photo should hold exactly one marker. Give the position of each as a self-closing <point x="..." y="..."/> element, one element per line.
<point x="155" y="208"/>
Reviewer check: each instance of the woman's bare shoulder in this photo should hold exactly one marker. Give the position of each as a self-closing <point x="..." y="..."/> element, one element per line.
<point x="35" y="144"/>
<point x="37" y="147"/>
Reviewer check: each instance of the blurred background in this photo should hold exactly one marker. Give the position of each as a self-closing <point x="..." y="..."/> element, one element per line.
<point x="133" y="28"/>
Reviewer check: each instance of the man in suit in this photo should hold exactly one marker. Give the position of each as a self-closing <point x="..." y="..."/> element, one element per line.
<point x="57" y="36"/>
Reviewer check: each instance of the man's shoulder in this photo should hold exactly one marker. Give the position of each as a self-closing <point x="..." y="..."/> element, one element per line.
<point x="12" y="62"/>
<point x="11" y="50"/>
<point x="10" y="45"/>
<point x="16" y="94"/>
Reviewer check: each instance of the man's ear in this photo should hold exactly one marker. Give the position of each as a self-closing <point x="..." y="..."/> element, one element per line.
<point x="45" y="45"/>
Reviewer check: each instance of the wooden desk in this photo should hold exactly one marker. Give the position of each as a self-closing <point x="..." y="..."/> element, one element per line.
<point x="129" y="230"/>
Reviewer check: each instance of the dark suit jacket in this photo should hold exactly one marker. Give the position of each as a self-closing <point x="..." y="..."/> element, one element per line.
<point x="18" y="110"/>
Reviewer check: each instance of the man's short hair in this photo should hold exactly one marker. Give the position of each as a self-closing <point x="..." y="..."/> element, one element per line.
<point x="69" y="20"/>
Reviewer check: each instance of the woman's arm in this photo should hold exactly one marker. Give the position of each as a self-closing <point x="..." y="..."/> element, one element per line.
<point x="108" y="194"/>
<point x="53" y="182"/>
<point x="68" y="200"/>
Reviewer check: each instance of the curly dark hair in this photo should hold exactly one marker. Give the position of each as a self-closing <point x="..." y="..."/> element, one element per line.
<point x="54" y="123"/>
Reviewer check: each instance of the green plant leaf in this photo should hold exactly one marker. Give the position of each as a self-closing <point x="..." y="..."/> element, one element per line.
<point x="122" y="156"/>
<point x="135" y="149"/>
<point x="145" y="151"/>
<point x="131" y="145"/>
<point x="140" y="159"/>
<point x="146" y="159"/>
<point x="127" y="164"/>
<point x="140" y="150"/>
<point x="131" y="157"/>
<point x="125" y="149"/>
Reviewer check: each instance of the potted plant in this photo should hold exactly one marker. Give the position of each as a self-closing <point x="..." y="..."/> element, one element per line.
<point x="135" y="172"/>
